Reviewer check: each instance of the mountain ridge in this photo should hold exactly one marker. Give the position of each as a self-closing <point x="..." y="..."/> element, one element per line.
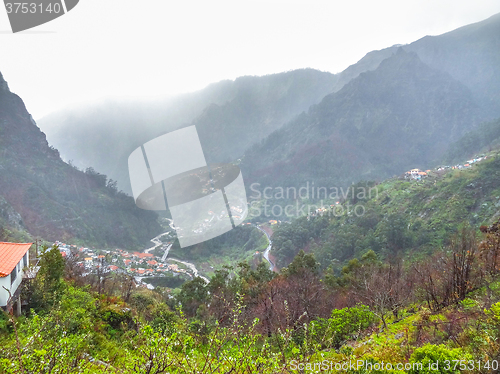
<point x="106" y="138"/>
<point x="379" y="124"/>
<point x="54" y="200"/>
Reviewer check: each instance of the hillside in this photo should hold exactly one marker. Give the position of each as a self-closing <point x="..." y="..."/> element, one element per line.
<point x="482" y="139"/>
<point x="230" y="116"/>
<point x="398" y="217"/>
<point x="402" y="115"/>
<point x="42" y="195"/>
<point x="403" y="218"/>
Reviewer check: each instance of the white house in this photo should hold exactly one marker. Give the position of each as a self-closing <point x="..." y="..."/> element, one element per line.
<point x="14" y="258"/>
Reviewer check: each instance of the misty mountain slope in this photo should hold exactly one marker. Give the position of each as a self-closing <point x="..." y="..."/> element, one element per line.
<point x="484" y="138"/>
<point x="51" y="199"/>
<point x="262" y="105"/>
<point x="369" y="62"/>
<point x="232" y="115"/>
<point x="470" y="54"/>
<point x="102" y="134"/>
<point x="400" y="116"/>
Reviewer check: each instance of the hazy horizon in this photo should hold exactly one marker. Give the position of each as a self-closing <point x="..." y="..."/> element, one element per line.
<point x="117" y="49"/>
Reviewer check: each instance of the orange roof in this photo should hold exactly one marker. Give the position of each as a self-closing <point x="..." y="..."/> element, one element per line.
<point x="10" y="255"/>
<point x="101" y="256"/>
<point x="152" y="262"/>
<point x="142" y="255"/>
<point x="113" y="267"/>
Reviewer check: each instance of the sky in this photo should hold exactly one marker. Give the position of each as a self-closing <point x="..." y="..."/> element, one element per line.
<point x="149" y="48"/>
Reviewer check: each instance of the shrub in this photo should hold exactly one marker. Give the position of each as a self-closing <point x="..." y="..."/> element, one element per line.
<point x="343" y="324"/>
<point x="115" y="316"/>
<point x="439" y="359"/>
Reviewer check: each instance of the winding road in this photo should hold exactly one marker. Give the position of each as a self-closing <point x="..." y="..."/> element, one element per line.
<point x="192" y="267"/>
<point x="156" y="240"/>
<point x="158" y="243"/>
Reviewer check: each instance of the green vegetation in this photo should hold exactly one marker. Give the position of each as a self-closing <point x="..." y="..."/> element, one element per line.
<point x="249" y="320"/>
<point x="407" y="218"/>
<point x="168" y="281"/>
<point x="240" y="244"/>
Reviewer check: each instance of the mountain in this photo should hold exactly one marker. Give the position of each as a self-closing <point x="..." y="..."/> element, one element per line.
<point x="402" y="115"/>
<point x="230" y="116"/>
<point x="470" y="54"/>
<point x="42" y="195"/>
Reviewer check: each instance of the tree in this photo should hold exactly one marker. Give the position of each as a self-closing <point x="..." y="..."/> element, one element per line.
<point x="48" y="283"/>
<point x="304" y="291"/>
<point x="385" y="289"/>
<point x="193" y="294"/>
<point x="448" y="276"/>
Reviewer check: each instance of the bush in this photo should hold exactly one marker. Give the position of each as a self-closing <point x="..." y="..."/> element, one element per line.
<point x="164" y="320"/>
<point x="343" y="324"/>
<point x="5" y="324"/>
<point x="115" y="316"/>
<point x="438" y="359"/>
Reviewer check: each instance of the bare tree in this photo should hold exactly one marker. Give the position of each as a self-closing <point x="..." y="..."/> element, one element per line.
<point x="385" y="289"/>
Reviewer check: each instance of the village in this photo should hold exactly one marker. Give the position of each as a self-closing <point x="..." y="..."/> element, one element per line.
<point x="417" y="174"/>
<point x="412" y="175"/>
<point x="139" y="264"/>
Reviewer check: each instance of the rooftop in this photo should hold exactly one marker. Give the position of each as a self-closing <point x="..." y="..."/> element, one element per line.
<point x="10" y="255"/>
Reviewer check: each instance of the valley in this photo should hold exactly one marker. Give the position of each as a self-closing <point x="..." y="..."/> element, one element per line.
<point x="370" y="233"/>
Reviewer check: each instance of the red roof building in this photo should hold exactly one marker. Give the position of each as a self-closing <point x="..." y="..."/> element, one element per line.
<point x="14" y="258"/>
<point x="10" y="255"/>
